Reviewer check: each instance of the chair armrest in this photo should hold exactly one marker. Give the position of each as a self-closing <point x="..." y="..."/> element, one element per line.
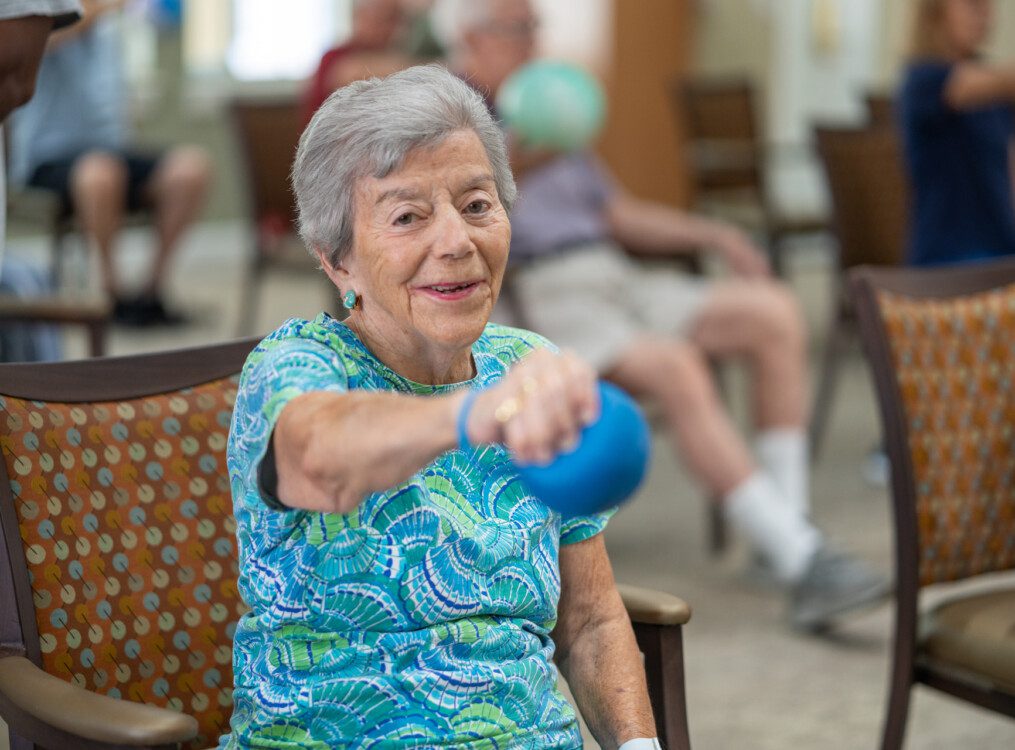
<point x="54" y="309"/>
<point x="651" y="607"/>
<point x="41" y="702"/>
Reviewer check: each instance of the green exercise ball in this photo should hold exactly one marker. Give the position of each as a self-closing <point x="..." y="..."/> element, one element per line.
<point x="553" y="105"/>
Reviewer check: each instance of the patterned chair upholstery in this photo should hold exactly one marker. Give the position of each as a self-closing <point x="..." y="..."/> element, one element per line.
<point x="118" y="594"/>
<point x="942" y="346"/>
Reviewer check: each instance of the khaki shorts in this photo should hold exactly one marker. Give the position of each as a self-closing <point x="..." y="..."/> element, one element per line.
<point x="597" y="300"/>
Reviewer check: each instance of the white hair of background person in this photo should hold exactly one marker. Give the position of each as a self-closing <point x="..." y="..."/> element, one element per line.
<point x="452" y="19"/>
<point x="368" y="128"/>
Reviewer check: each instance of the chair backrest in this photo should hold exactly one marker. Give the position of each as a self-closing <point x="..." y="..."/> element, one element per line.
<point x="940" y="343"/>
<point x="720" y="120"/>
<point x="268" y="132"/>
<point x="120" y="564"/>
<point x="880" y="108"/>
<point x="869" y="193"/>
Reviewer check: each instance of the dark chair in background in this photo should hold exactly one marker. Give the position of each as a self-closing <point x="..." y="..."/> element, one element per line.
<point x="729" y="159"/>
<point x="268" y="132"/>
<point x="940" y="346"/>
<point x="92" y="315"/>
<point x="118" y="594"/>
<point x="880" y="109"/>
<point x="869" y="197"/>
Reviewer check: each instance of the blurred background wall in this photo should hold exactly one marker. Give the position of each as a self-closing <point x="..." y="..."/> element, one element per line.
<point x="811" y="59"/>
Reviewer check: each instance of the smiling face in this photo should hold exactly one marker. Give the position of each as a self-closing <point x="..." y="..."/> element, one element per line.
<point x="430" y="244"/>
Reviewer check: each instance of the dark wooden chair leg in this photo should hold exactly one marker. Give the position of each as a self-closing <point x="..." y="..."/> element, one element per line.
<point x="839" y="336"/>
<point x="97" y="338"/>
<point x="903" y="673"/>
<point x="664" y="671"/>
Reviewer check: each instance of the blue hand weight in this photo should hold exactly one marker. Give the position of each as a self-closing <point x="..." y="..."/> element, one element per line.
<point x="606" y="467"/>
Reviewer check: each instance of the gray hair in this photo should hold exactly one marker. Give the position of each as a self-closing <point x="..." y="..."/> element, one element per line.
<point x="368" y="128"/>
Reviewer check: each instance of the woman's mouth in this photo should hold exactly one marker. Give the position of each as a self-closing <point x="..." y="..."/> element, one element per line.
<point x="450" y="291"/>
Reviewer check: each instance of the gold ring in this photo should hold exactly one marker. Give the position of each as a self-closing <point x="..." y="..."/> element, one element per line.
<point x="507" y="409"/>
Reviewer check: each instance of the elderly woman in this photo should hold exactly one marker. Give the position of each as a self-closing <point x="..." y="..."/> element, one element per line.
<point x="405" y="589"/>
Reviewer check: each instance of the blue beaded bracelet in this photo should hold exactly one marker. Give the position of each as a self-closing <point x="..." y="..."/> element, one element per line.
<point x="463" y="419"/>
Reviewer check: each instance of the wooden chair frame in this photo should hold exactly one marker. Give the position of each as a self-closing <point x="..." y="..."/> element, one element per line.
<point x="854" y="247"/>
<point x="909" y="666"/>
<point x="86" y="720"/>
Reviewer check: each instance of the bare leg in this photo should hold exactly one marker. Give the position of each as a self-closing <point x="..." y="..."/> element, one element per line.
<point x="98" y="186"/>
<point x="177" y="189"/>
<point x="676" y="375"/>
<point x="760" y="320"/>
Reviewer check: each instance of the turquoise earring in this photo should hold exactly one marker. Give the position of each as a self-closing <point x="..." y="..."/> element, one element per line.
<point x="350" y="300"/>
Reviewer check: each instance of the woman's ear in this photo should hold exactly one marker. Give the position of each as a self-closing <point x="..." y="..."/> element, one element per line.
<point x="338" y="274"/>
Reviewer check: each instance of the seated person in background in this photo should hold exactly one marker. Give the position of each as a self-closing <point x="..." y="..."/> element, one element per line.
<point x="369" y="51"/>
<point x="72" y="138"/>
<point x="957" y="115"/>
<point x="653" y="330"/>
<point x="406" y="590"/>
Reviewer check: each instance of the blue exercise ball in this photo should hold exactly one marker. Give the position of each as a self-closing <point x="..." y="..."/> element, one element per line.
<point x="607" y="466"/>
<point x="552" y="105"/>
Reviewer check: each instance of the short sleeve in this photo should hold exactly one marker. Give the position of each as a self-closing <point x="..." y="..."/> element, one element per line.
<point x="598" y="181"/>
<point x="579" y="528"/>
<point x="923" y="93"/>
<point x="275" y="373"/>
<point x="63" y="12"/>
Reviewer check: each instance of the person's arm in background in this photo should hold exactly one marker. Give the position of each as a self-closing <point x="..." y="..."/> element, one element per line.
<point x="975" y="84"/>
<point x="655" y="227"/>
<point x="22" y="42"/>
<point x="596" y="649"/>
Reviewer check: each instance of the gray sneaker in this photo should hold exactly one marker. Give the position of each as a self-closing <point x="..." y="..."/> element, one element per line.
<point x="834" y="584"/>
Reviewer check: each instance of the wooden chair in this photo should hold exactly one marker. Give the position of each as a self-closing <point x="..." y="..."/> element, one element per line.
<point x="46" y="210"/>
<point x="118" y="593"/>
<point x="729" y="159"/>
<point x="940" y="345"/>
<point x="91" y="314"/>
<point x="268" y="132"/>
<point x="880" y="108"/>
<point x="869" y="193"/>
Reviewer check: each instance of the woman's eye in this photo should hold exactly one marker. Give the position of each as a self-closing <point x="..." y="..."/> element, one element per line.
<point x="477" y="207"/>
<point x="405" y="219"/>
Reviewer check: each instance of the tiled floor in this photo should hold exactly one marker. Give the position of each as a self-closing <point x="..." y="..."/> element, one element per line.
<point x="752" y="683"/>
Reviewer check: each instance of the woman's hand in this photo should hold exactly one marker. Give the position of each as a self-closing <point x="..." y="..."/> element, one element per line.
<point x="741" y="255"/>
<point x="539" y="408"/>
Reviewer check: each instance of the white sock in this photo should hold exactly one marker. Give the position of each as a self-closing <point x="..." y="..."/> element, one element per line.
<point x="783" y="454"/>
<point x="780" y="533"/>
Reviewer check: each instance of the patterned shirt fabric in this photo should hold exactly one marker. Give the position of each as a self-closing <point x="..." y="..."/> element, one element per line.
<point x="422" y="618"/>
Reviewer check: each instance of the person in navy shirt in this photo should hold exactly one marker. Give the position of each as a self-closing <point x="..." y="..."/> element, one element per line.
<point x="958" y="123"/>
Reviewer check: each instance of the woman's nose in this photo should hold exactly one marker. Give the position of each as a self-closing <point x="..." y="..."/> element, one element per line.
<point x="451" y="236"/>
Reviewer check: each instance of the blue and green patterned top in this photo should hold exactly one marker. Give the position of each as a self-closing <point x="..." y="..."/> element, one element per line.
<point x="422" y="618"/>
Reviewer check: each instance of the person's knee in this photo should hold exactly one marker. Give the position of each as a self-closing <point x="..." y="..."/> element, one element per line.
<point x="99" y="176"/>
<point x="682" y="374"/>
<point x="187" y="168"/>
<point x="779" y="318"/>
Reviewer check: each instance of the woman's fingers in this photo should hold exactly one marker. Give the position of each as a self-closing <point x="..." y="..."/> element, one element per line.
<point x="543" y="404"/>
